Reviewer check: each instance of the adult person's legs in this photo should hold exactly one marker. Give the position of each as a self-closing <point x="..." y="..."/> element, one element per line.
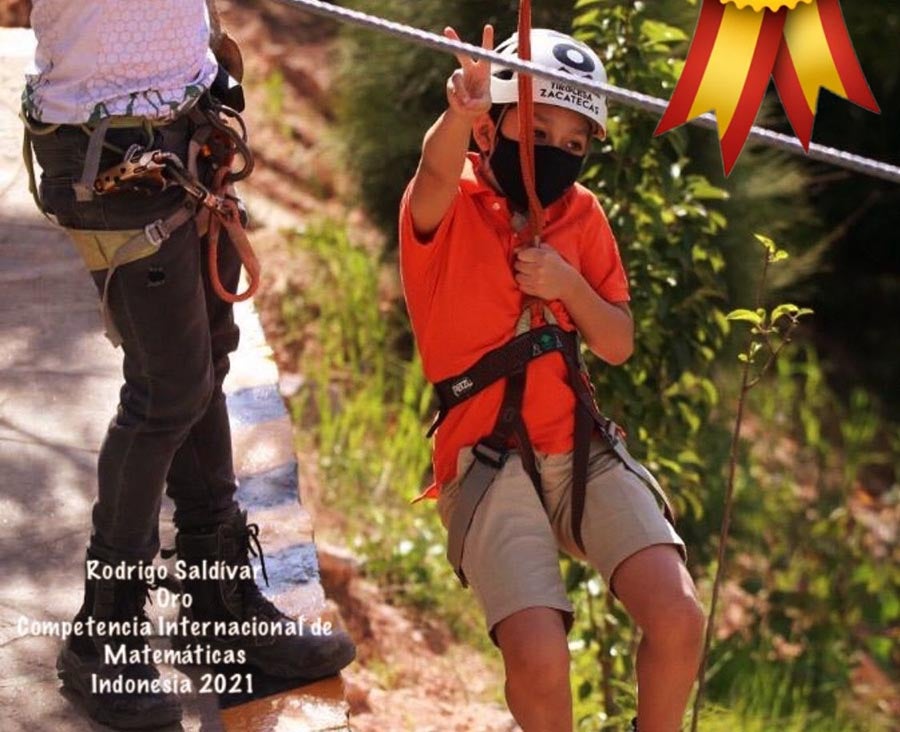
<point x="158" y="305"/>
<point x="201" y="479"/>
<point x="212" y="530"/>
<point x="171" y="424"/>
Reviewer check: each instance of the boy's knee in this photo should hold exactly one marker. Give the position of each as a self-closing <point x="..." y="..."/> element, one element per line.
<point x="679" y="624"/>
<point x="536" y="652"/>
<point x="542" y="666"/>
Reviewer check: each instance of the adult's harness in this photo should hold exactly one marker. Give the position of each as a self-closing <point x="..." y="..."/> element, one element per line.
<point x="510" y="362"/>
<point x="219" y="138"/>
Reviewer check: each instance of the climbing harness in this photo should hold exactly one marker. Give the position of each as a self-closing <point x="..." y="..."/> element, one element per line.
<point x="217" y="205"/>
<point x="218" y="141"/>
<point x="510" y="363"/>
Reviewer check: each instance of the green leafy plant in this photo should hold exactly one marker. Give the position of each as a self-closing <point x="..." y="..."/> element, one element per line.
<point x="369" y="402"/>
<point x="770" y="332"/>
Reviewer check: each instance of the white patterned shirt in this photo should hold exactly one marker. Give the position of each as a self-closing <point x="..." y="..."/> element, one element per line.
<point x="98" y="58"/>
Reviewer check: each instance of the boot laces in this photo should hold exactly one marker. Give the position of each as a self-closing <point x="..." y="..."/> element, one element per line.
<point x="252" y="537"/>
<point x="130" y="602"/>
<point x="255" y="603"/>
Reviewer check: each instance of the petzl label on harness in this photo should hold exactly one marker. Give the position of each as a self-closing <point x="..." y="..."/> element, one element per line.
<point x="97" y="248"/>
<point x="462" y="386"/>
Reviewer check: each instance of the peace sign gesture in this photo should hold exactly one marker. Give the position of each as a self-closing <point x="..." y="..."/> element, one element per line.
<point x="469" y="87"/>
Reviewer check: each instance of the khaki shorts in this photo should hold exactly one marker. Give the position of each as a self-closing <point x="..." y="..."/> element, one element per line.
<point x="511" y="558"/>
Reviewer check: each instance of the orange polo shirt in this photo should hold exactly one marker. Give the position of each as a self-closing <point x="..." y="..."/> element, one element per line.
<point x="463" y="301"/>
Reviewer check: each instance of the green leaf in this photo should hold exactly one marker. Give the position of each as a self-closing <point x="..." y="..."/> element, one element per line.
<point x="587" y="18"/>
<point x="658" y="32"/>
<point x="670" y="465"/>
<point x="779" y="255"/>
<point x="699" y="187"/>
<point x="890" y="607"/>
<point x="745" y="315"/>
<point x="689" y="416"/>
<point x="722" y="322"/>
<point x="694" y="502"/>
<point x="767" y="243"/>
<point x="880" y="647"/>
<point x="689" y="456"/>
<point x="784" y="309"/>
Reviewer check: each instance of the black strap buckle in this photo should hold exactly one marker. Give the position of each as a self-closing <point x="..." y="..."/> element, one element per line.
<point x="612" y="432"/>
<point x="490" y="455"/>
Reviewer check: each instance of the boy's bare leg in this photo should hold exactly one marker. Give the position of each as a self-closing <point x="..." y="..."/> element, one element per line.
<point x="656" y="589"/>
<point x="536" y="656"/>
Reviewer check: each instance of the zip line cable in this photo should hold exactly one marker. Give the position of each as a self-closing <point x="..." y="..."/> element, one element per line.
<point x="637" y="100"/>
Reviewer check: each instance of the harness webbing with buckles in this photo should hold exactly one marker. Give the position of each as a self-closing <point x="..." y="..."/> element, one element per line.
<point x="510" y="362"/>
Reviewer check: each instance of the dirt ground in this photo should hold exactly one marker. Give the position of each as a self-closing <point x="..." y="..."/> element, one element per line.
<point x="14" y="13"/>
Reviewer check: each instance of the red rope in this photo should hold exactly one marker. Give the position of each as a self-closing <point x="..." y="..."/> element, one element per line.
<point x="526" y="124"/>
<point x="230" y="220"/>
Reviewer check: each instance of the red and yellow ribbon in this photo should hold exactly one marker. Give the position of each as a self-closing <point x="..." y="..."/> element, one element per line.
<point x="803" y="45"/>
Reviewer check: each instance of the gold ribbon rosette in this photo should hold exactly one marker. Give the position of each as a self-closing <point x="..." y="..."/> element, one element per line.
<point x="803" y="45"/>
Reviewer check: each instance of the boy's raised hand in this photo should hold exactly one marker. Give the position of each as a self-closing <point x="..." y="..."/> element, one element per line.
<point x="469" y="87"/>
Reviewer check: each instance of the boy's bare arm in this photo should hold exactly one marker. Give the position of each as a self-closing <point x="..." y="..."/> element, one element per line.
<point x="446" y="143"/>
<point x="437" y="177"/>
<point x="607" y="328"/>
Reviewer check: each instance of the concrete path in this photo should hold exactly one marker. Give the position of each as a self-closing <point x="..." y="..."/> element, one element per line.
<point x="59" y="381"/>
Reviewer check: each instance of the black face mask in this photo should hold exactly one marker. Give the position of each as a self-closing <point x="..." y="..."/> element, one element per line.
<point x="555" y="170"/>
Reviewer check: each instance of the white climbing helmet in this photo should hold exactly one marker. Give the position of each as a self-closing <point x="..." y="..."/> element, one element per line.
<point x="560" y="52"/>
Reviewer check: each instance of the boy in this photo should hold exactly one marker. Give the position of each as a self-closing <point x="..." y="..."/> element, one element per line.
<point x="467" y="275"/>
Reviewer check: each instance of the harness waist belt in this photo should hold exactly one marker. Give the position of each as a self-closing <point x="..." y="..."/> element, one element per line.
<point x="495" y="364"/>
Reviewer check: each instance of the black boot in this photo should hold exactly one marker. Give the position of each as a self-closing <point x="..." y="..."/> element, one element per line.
<point x="293" y="651"/>
<point x="115" y="692"/>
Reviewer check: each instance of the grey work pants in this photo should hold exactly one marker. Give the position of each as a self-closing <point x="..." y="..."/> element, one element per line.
<point x="171" y="428"/>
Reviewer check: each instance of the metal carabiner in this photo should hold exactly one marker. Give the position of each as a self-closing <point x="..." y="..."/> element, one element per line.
<point x="139" y="167"/>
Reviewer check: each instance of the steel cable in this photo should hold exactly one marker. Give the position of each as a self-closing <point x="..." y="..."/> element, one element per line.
<point x="637" y="100"/>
